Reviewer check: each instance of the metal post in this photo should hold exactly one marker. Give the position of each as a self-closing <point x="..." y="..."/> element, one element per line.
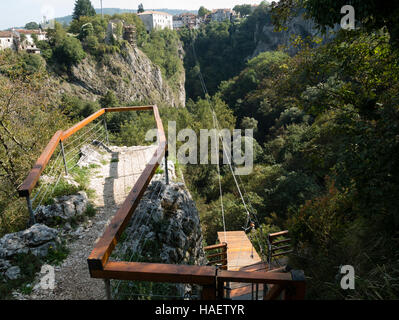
<point x="63" y="157"/>
<point x="265" y="289"/>
<point x="107" y="283"/>
<point x="228" y="289"/>
<point x="257" y="291"/>
<point x="166" y="167"/>
<point x="31" y="213"/>
<point x="106" y="131"/>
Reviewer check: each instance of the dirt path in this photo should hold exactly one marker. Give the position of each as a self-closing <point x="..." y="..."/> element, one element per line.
<point x="112" y="182"/>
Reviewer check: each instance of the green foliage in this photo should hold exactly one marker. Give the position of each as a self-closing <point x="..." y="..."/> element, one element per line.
<point x="29" y="266"/>
<point x="140" y="8"/>
<point x="83" y="8"/>
<point x="222" y="49"/>
<point x="372" y="15"/>
<point x="69" y="52"/>
<point x="33" y="63"/>
<point x="28" y="119"/>
<point x="162" y="48"/>
<point x="202" y="11"/>
<point x="243" y="9"/>
<point x="109" y="100"/>
<point x="57" y="255"/>
<point x="63" y="188"/>
<point x="32" y="26"/>
<point x="77" y="108"/>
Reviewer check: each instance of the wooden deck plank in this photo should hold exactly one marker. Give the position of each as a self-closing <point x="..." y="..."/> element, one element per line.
<point x="240" y="252"/>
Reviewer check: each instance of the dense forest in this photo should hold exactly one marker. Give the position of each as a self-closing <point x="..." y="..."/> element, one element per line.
<point x="326" y="129"/>
<point x="325" y="121"/>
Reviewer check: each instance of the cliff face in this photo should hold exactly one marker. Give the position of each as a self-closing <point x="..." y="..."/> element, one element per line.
<point x="130" y="74"/>
<point x="267" y="39"/>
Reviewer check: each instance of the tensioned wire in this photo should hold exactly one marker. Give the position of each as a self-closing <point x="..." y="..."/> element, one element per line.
<point x="57" y="166"/>
<point x="217" y="126"/>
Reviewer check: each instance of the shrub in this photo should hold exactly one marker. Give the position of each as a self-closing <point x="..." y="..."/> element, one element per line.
<point x="69" y="52"/>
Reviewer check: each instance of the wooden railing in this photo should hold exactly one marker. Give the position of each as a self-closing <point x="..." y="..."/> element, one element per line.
<point x="211" y="278"/>
<point x="59" y="137"/>
<point x="278" y="245"/>
<point x="217" y="255"/>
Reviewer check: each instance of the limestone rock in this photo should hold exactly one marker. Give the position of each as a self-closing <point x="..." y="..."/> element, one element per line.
<point x="13" y="273"/>
<point x="64" y="209"/>
<point x="89" y="156"/>
<point x="131" y="75"/>
<point x="37" y="240"/>
<point x="166" y="228"/>
<point x="4" y="265"/>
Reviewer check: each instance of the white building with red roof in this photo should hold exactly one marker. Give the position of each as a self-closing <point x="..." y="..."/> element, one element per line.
<point x="6" y="40"/>
<point x="156" y="20"/>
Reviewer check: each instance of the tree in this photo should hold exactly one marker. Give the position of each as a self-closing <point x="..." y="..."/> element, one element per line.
<point x="83" y="8"/>
<point x="373" y="14"/>
<point x="29" y="116"/>
<point x="243" y="9"/>
<point x="202" y="12"/>
<point x="31" y="26"/>
<point x="69" y="52"/>
<point x="141" y="8"/>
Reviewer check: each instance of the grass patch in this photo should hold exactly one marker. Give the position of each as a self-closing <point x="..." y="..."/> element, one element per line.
<point x="57" y="255"/>
<point x="90" y="211"/>
<point x="159" y="171"/>
<point x="63" y="188"/>
<point x="29" y="265"/>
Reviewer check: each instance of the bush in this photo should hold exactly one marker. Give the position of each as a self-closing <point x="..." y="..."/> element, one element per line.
<point x="69" y="52"/>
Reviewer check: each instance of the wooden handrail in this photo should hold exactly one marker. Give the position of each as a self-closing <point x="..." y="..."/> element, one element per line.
<point x="82" y="124"/>
<point x="216" y="246"/>
<point x="124" y="109"/>
<point x="157" y="272"/>
<point x="30" y="182"/>
<point x="219" y="254"/>
<point x="255" y="277"/>
<point x="278" y="234"/>
<point x="102" y="250"/>
<point x="222" y="255"/>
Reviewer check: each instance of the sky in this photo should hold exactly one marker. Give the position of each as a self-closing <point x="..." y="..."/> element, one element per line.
<point x="17" y="13"/>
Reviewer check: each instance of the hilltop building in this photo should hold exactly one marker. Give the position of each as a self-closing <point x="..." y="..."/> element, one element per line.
<point x="21" y="39"/>
<point x="187" y="19"/>
<point x="156" y="20"/>
<point x="6" y="40"/>
<point x="220" y="15"/>
<point x="118" y="29"/>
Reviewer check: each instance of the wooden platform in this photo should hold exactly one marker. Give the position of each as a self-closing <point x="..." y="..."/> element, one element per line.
<point x="241" y="255"/>
<point x="240" y="252"/>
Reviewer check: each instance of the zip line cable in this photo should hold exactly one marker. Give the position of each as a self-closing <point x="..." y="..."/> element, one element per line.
<point x="217" y="126"/>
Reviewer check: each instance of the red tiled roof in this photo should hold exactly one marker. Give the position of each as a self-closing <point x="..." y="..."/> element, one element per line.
<point x="24" y="31"/>
<point x="5" y="34"/>
<point x="154" y="12"/>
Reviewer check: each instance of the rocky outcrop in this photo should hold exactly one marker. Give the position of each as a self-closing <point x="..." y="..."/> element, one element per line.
<point x="89" y="155"/>
<point x="36" y="240"/>
<point x="165" y="228"/>
<point x="130" y="74"/>
<point x="64" y="209"/>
